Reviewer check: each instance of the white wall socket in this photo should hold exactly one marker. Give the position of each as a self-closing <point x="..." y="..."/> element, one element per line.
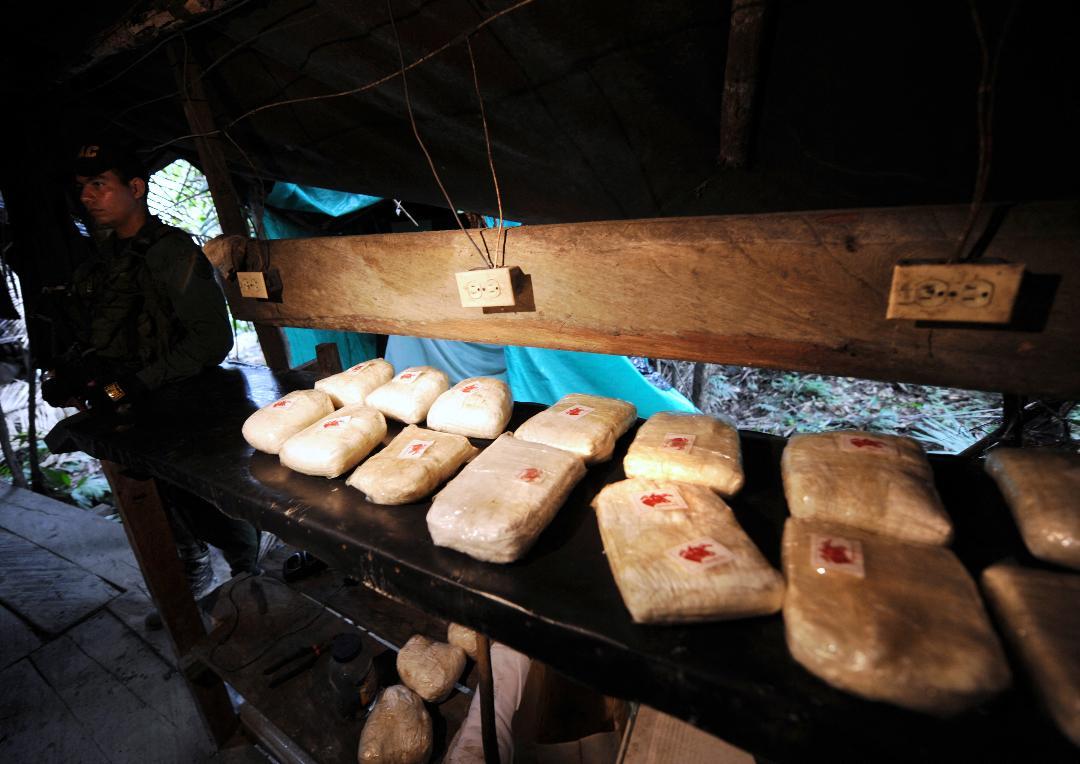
<point x="485" y="288"/>
<point x="252" y="284"/>
<point x="970" y="292"/>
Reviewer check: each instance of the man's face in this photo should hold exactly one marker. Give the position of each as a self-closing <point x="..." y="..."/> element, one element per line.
<point x="110" y="201"/>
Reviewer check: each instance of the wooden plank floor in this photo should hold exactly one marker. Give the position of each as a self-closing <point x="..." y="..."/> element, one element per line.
<point x="81" y="680"/>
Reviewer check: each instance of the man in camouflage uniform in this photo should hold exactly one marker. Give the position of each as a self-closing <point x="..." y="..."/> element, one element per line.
<point x="146" y="311"/>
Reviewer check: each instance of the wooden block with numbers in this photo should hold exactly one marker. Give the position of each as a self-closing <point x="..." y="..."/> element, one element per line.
<point x="963" y="291"/>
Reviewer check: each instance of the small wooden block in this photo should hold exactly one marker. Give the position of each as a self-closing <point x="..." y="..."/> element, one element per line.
<point x="252" y="284"/>
<point x="981" y="293"/>
<point x="485" y="288"/>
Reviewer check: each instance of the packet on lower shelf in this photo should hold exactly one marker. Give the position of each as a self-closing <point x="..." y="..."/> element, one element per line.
<point x="887" y="620"/>
<point x="268" y="428"/>
<point x="477" y="407"/>
<point x="880" y="483"/>
<point x="679" y="555"/>
<point x="586" y="425"/>
<point x="430" y="668"/>
<point x="1040" y="611"/>
<point x="1042" y="488"/>
<point x="502" y="501"/>
<point x="353" y="385"/>
<point x="408" y="396"/>
<point x="398" y="730"/>
<point x="335" y="443"/>
<point x="415" y="463"/>
<point x="465" y="638"/>
<point x="688" y="448"/>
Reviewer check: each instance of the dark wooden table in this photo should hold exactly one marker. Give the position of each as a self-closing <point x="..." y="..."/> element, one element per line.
<point x="559" y="603"/>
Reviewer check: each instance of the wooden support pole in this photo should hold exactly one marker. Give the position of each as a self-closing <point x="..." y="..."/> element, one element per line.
<point x="154" y="545"/>
<point x="212" y="158"/>
<point x="328" y="358"/>
<point x="741" y="80"/>
<point x="486" y="688"/>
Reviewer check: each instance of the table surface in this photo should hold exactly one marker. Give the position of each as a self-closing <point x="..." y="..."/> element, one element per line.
<point x="560" y="604"/>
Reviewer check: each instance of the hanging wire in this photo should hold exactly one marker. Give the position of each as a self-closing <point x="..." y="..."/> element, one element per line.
<point x="984" y="121"/>
<point x="485" y="256"/>
<point x="500" y="243"/>
<point x="357" y="90"/>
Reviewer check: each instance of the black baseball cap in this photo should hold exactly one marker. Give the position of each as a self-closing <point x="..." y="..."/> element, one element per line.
<point x="95" y="157"/>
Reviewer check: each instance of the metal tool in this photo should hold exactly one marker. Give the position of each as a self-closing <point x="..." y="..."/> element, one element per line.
<point x="309" y="653"/>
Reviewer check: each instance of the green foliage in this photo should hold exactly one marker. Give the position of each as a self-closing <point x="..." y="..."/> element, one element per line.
<point x="75" y="478"/>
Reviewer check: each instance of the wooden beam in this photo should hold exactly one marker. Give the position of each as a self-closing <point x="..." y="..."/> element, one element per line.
<point x="799" y="291"/>
<point x="741" y="80"/>
<point x="226" y="201"/>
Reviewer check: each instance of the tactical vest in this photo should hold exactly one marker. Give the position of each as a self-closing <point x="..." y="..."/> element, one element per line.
<point x="126" y="316"/>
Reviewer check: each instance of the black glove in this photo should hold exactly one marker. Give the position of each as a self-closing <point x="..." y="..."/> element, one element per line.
<point x="60" y="390"/>
<point x="114" y="393"/>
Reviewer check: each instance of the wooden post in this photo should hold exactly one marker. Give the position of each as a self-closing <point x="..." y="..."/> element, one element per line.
<point x="741" y="80"/>
<point x="328" y="358"/>
<point x="212" y="158"/>
<point x="152" y="541"/>
<point x="487" y="700"/>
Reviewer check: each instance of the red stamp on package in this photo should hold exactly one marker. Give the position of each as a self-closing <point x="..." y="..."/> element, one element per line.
<point x="866" y="444"/>
<point x="701" y="554"/>
<point x="359" y="367"/>
<point x="576" y="412"/>
<point x="408" y="377"/>
<point x="530" y="475"/>
<point x="661" y="498"/>
<point x="415" y="449"/>
<point x="284" y="403"/>
<point x="680" y="442"/>
<point x="336" y="423"/>
<point x="836" y="554"/>
<point x="470" y="388"/>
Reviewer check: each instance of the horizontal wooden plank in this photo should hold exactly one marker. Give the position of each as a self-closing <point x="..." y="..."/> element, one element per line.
<point x="800" y="291"/>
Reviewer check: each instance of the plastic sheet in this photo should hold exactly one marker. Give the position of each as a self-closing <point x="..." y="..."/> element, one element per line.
<point x="689" y="448"/>
<point x="678" y="554"/>
<point x="268" y="428"/>
<point x="880" y="483"/>
<point x="398" y="730"/>
<point x="408" y="396"/>
<point x="888" y="620"/>
<point x="430" y="668"/>
<point x="335" y="443"/>
<point x="586" y="425"/>
<point x="415" y="463"/>
<point x="1042" y="488"/>
<point x="500" y="503"/>
<point x="477" y="407"/>
<point x="1040" y="612"/>
<point x="465" y="638"/>
<point x="353" y="385"/>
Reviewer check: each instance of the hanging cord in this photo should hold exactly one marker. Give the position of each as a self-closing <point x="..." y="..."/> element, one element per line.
<point x="485" y="256"/>
<point x="500" y="243"/>
<point x="984" y="121"/>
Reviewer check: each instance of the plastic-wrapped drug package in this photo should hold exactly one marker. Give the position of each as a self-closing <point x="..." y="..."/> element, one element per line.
<point x="335" y="443"/>
<point x="415" y="463"/>
<point x="586" y="425"/>
<point x="398" y="730"/>
<point x="268" y="428"/>
<point x="687" y="448"/>
<point x="477" y="407"/>
<point x="465" y="638"/>
<point x="502" y="501"/>
<point x="880" y="483"/>
<point x="679" y="555"/>
<point x="887" y="620"/>
<point x="408" y="396"/>
<point x="430" y="668"/>
<point x="353" y="385"/>
<point x="1040" y="613"/>
<point x="1042" y="488"/>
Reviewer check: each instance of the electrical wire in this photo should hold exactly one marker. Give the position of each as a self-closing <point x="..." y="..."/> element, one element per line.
<point x="485" y="256"/>
<point x="500" y="243"/>
<point x="361" y="89"/>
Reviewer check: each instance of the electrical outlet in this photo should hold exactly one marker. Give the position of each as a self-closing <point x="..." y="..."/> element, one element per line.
<point x="252" y="284"/>
<point x="966" y="292"/>
<point x="485" y="288"/>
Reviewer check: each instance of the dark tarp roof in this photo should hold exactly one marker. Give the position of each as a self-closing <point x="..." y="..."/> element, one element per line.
<point x="598" y="109"/>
